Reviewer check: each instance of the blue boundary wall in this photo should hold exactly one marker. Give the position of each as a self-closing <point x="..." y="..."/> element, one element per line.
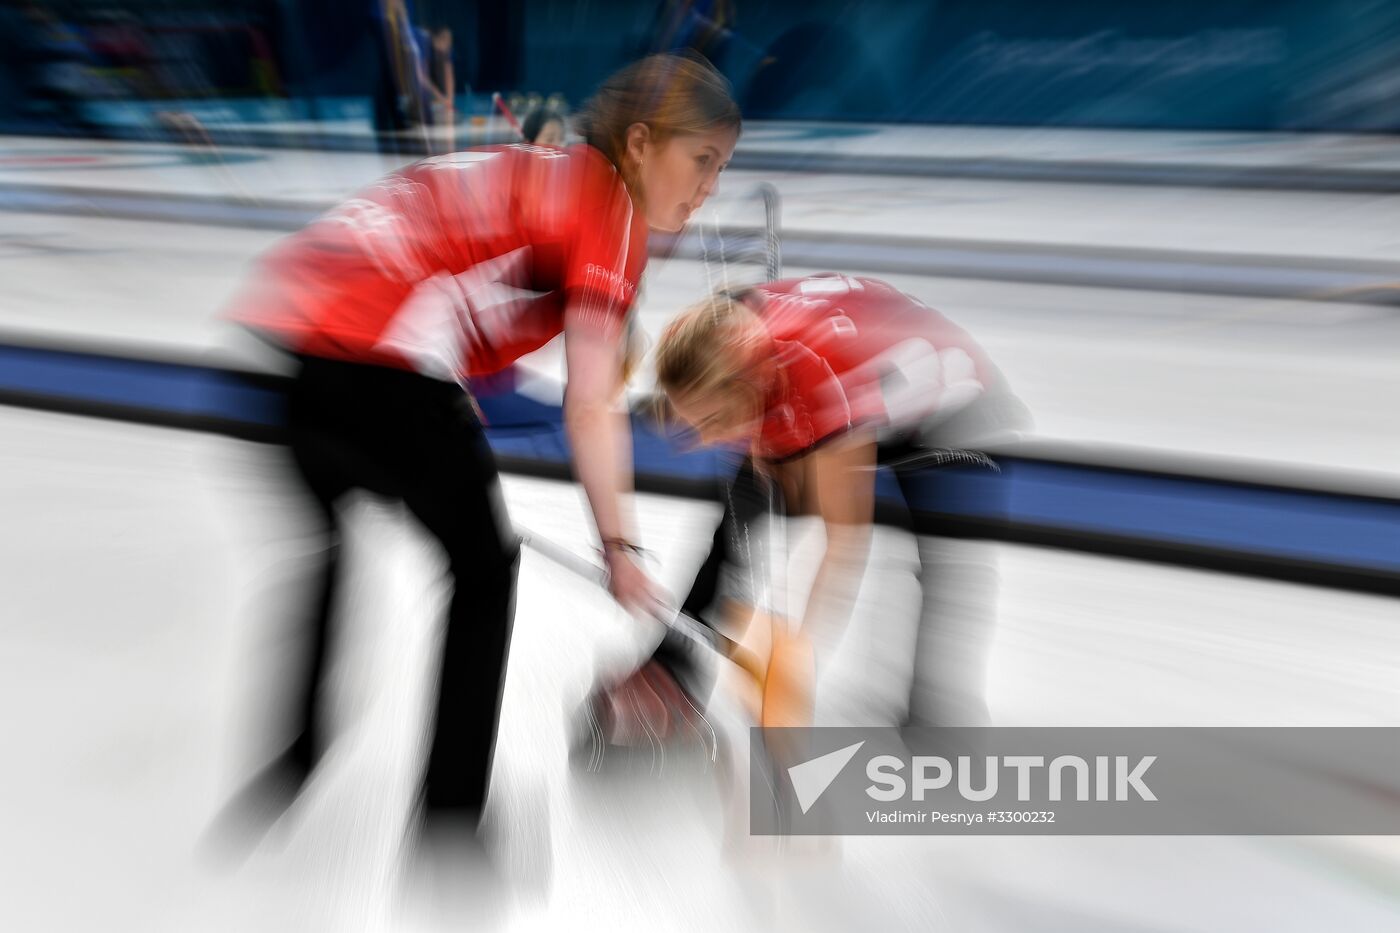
<point x="1324" y="536"/>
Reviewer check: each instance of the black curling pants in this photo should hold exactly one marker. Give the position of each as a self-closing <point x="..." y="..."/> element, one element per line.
<point x="418" y="440"/>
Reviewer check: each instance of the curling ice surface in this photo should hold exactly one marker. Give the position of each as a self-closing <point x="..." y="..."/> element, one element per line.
<point x="140" y="602"/>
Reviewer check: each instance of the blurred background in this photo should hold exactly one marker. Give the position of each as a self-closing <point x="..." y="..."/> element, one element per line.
<point x="1239" y="65"/>
<point x="1174" y="226"/>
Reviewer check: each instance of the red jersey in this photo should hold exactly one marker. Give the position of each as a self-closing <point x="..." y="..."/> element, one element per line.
<point x="457" y="265"/>
<point x="858" y="352"/>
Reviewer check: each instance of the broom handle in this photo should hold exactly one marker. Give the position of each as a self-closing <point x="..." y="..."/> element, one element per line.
<point x="676" y="620"/>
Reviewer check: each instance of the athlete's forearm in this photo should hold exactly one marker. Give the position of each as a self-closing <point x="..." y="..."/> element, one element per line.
<point x="842" y="479"/>
<point x="601" y="437"/>
<point x="598" y="431"/>
<point x="601" y="440"/>
<point x="833" y="595"/>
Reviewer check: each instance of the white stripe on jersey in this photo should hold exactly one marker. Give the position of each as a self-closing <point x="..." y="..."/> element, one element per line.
<point x="603" y="287"/>
<point x="382" y="234"/>
<point x="448" y="320"/>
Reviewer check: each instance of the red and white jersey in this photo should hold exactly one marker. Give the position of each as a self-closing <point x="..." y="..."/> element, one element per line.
<point x="456" y="265"/>
<point x="858" y="352"/>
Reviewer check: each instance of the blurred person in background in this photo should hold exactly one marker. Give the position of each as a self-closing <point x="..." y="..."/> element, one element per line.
<point x="50" y="62"/>
<point x="400" y="94"/>
<point x="451" y="268"/>
<point x="441" y="78"/>
<point x="545" y="126"/>
<point x="703" y="26"/>
<point x="708" y="27"/>
<point x="821" y="380"/>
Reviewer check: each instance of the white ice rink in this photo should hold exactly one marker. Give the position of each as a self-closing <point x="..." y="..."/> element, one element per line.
<point x="144" y="568"/>
<point x="146" y="573"/>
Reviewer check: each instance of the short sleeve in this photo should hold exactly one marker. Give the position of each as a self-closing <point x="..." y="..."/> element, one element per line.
<point x="608" y="250"/>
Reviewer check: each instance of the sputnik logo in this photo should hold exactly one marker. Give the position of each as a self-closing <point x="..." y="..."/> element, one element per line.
<point x="811" y="778"/>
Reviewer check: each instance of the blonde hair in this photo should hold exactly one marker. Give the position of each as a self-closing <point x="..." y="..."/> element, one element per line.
<point x="715" y="347"/>
<point x="672" y="95"/>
